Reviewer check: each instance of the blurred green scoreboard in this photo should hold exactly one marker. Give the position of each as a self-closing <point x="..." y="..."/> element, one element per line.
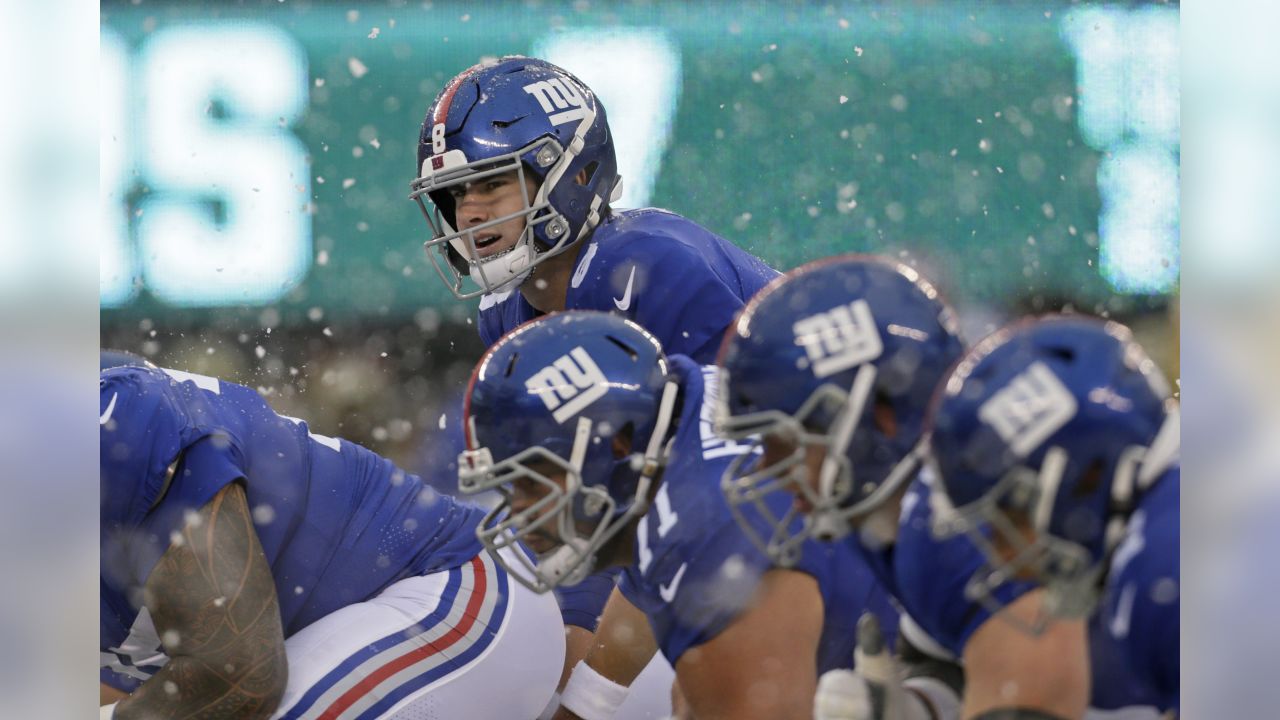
<point x="259" y="155"/>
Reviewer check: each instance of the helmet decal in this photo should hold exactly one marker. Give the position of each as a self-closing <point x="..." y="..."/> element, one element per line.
<point x="568" y="385"/>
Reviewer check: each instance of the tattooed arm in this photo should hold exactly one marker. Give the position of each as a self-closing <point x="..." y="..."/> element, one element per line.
<point x="214" y="605"/>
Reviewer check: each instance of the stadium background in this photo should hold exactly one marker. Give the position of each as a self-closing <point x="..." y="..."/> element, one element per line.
<point x="256" y="161"/>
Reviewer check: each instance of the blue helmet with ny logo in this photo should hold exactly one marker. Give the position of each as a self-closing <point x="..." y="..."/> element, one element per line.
<point x="524" y="115"/>
<point x="569" y="411"/>
<point x="1042" y="439"/>
<point x="842" y="353"/>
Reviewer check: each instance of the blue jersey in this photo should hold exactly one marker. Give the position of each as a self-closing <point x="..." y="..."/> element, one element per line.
<point x="337" y="522"/>
<point x="582" y="604"/>
<point x="678" y="280"/>
<point x="930" y="575"/>
<point x="1141" y="603"/>
<point x="929" y="579"/>
<point x="695" y="570"/>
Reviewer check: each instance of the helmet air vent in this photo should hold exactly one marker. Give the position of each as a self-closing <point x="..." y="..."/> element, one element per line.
<point x="630" y="351"/>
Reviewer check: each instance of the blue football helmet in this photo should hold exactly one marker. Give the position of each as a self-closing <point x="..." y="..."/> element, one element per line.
<point x="545" y="404"/>
<point x="814" y="358"/>
<point x="520" y="114"/>
<point x="1038" y="439"/>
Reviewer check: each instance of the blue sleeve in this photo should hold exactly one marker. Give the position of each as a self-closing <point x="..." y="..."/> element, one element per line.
<point x="141" y="430"/>
<point x="698" y="592"/>
<point x="582" y="604"/>
<point x="207" y="466"/>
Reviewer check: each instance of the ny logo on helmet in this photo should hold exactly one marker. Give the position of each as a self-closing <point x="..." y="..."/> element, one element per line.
<point x="568" y="385"/>
<point x="556" y="95"/>
<point x="839" y="338"/>
<point x="1030" y="409"/>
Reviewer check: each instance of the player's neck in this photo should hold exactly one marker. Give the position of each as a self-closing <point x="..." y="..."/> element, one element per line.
<point x="620" y="550"/>
<point x="547" y="289"/>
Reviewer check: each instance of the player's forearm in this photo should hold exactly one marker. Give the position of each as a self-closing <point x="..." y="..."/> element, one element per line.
<point x="623" y="645"/>
<point x="624" y="642"/>
<point x="213" y="601"/>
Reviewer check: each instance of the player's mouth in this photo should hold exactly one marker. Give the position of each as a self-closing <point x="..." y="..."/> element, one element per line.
<point x="486" y="240"/>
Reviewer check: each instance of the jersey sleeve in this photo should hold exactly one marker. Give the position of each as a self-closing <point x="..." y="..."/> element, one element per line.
<point x="148" y="423"/>
<point x="693" y="590"/>
<point x="581" y="605"/>
<point x="207" y="466"/>
<point x="140" y="432"/>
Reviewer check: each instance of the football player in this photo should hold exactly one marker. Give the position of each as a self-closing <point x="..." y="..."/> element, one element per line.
<point x="830" y="369"/>
<point x="833" y="366"/>
<point x="516" y="175"/>
<point x="1056" y="444"/>
<point x="604" y="451"/>
<point x="254" y="569"/>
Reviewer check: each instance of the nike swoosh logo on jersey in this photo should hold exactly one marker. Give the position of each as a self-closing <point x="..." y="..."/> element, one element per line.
<point x="1124" y="610"/>
<point x="106" y="414"/>
<point x="625" y="301"/>
<point x="668" y="591"/>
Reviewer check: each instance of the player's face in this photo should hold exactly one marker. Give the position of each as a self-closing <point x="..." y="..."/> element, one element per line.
<point x="490" y="198"/>
<point x="780" y="446"/>
<point x="527" y="492"/>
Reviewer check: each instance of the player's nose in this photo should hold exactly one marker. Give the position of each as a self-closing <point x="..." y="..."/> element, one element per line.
<point x="471" y="213"/>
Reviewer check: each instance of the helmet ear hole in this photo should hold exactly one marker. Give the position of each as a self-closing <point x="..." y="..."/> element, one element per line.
<point x="585" y="175"/>
<point x="511" y="366"/>
<point x="630" y="351"/>
<point x="1065" y="354"/>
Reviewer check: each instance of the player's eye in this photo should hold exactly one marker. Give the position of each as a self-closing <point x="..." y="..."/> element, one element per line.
<point x="458" y="192"/>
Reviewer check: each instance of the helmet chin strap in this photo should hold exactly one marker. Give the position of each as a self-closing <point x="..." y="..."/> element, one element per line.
<point x="504" y="270"/>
